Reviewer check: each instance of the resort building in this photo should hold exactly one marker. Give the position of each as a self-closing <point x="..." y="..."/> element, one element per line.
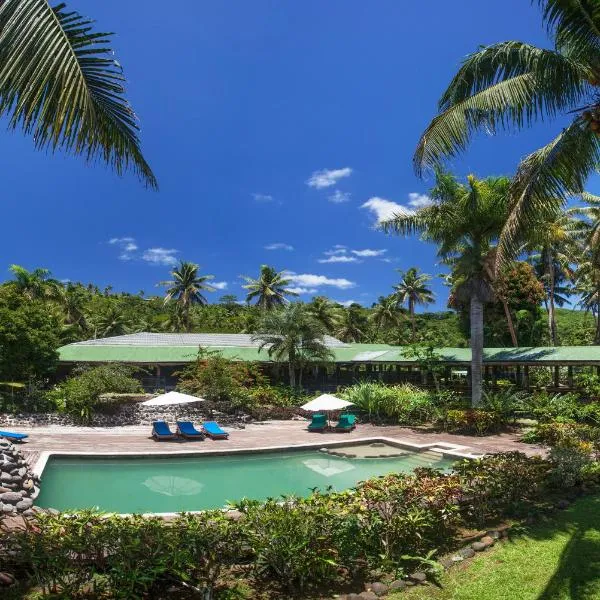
<point x="164" y="354"/>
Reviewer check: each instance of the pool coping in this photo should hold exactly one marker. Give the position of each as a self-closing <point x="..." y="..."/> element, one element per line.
<point x="446" y="449"/>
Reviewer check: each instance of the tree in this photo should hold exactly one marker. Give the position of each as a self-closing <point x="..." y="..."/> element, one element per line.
<point x="350" y="324"/>
<point x="323" y="310"/>
<point x="269" y="289"/>
<point x="413" y="290"/>
<point x="60" y="83"/>
<point x="385" y="313"/>
<point x="291" y="334"/>
<point x="35" y="284"/>
<point x="186" y="289"/>
<point x="464" y="221"/>
<point x="512" y="84"/>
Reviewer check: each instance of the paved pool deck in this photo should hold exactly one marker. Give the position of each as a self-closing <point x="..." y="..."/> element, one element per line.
<point x="136" y="439"/>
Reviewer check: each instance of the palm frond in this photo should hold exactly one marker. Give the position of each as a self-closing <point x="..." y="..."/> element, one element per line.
<point x="546" y="178"/>
<point x="505" y="85"/>
<point x="59" y="84"/>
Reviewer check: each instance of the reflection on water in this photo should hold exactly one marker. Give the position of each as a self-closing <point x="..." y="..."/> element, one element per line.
<point x="173" y="486"/>
<point x="327" y="467"/>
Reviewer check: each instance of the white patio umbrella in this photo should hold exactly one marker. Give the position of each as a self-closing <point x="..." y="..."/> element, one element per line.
<point x="171" y="399"/>
<point x="326" y="403"/>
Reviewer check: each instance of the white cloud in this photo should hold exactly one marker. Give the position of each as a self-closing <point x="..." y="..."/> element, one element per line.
<point x="385" y="209"/>
<point x="279" y="246"/>
<point x="346" y="303"/>
<point x="368" y="253"/>
<point x="160" y="256"/>
<point x="327" y="177"/>
<point x="302" y="290"/>
<point x="219" y="285"/>
<point x="337" y="249"/>
<point x="121" y="240"/>
<point x="339" y="197"/>
<point x="263" y="197"/>
<point x="339" y="258"/>
<point x="315" y="281"/>
<point x="418" y="200"/>
<point x="127" y="246"/>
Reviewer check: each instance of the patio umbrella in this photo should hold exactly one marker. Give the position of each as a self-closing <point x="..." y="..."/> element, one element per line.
<point x="326" y="403"/>
<point x="171" y="399"/>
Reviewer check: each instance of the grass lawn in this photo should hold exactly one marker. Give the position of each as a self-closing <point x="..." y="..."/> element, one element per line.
<point x="558" y="560"/>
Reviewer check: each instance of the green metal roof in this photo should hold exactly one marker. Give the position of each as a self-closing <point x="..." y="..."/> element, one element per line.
<point x="358" y="353"/>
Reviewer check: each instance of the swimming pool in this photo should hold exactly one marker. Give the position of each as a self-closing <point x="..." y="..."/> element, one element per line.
<point x="187" y="483"/>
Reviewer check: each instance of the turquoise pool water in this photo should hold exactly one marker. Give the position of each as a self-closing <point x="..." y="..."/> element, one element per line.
<point x="173" y="484"/>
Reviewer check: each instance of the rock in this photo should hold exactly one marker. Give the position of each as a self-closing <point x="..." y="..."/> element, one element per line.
<point x="488" y="541"/>
<point x="418" y="577"/>
<point x="379" y="588"/>
<point x="11" y="497"/>
<point x="399" y="584"/>
<point x="5" y="477"/>
<point x="13" y="524"/>
<point x="3" y="490"/>
<point x="6" y="579"/>
<point x="235" y="515"/>
<point x="368" y="595"/>
<point x="28" y="484"/>
<point x="24" y="504"/>
<point x="562" y="504"/>
<point x="446" y="562"/>
<point x="467" y="552"/>
<point x="7" y="509"/>
<point x="478" y="546"/>
<point x="494" y="534"/>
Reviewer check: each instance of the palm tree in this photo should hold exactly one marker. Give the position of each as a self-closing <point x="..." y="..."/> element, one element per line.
<point x="269" y="289"/>
<point x="464" y="221"/>
<point x="60" y="83"/>
<point x="291" y="334"/>
<point x="186" y="289"/>
<point x="323" y="311"/>
<point x="512" y="84"/>
<point x="413" y="290"/>
<point x="350" y="324"/>
<point x="34" y="285"/>
<point x="385" y="313"/>
<point x="109" y="321"/>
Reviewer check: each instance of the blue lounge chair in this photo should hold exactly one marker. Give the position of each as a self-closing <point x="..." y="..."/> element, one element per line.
<point x="346" y="423"/>
<point x="318" y="423"/>
<point x="214" y="431"/>
<point x="13" y="437"/>
<point x="187" y="430"/>
<point x="161" y="431"/>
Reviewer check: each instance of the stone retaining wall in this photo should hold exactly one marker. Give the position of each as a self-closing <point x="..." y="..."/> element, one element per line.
<point x="18" y="485"/>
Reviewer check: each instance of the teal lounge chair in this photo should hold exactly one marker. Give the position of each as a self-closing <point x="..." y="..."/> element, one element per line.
<point x="214" y="431"/>
<point x="318" y="423"/>
<point x="346" y="423"/>
<point x="13" y="437"/>
<point x="161" y="431"/>
<point x="186" y="429"/>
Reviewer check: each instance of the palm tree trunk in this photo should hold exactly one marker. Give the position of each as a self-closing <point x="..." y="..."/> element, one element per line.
<point x="292" y="368"/>
<point x="551" y="311"/>
<point x="509" y="321"/>
<point x="476" y="315"/>
<point x="411" y="312"/>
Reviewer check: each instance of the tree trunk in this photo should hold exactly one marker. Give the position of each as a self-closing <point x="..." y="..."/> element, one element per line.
<point x="476" y="315"/>
<point x="509" y="321"/>
<point x="292" y="374"/>
<point x="551" y="311"/>
<point x="411" y="312"/>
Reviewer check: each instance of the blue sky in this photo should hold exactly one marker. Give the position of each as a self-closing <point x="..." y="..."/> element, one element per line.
<point x="270" y="126"/>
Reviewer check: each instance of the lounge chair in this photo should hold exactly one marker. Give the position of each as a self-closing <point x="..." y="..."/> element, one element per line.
<point x="13" y="437"/>
<point x="187" y="430"/>
<point x="161" y="431"/>
<point x="213" y="430"/>
<point x="346" y="423"/>
<point x="318" y="423"/>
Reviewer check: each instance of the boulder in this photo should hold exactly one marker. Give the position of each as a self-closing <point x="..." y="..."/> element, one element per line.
<point x="379" y="588"/>
<point x="478" y="546"/>
<point x="418" y="577"/>
<point x="11" y="497"/>
<point x="467" y="552"/>
<point x="488" y="541"/>
<point x="24" y="504"/>
<point x="368" y="596"/>
<point x="6" y="579"/>
<point x="397" y="585"/>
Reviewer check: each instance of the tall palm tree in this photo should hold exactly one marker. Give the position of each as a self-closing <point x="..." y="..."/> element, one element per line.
<point x="350" y="324"/>
<point x="323" y="310"/>
<point x="385" y="313"/>
<point x="510" y="85"/>
<point x="413" y="289"/>
<point x="186" y="289"/>
<point x="464" y="221"/>
<point x="34" y="285"/>
<point x="60" y="83"/>
<point x="291" y="334"/>
<point x="269" y="290"/>
<point x="109" y="321"/>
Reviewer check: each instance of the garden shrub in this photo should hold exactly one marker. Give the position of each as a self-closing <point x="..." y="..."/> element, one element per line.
<point x="81" y="395"/>
<point x="546" y="407"/>
<point x="589" y="384"/>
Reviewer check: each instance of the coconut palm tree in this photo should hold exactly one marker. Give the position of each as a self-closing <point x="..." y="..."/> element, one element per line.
<point x="34" y="285"/>
<point x="291" y="334"/>
<point x="60" y="83"/>
<point x="464" y="221"/>
<point x="323" y="310"/>
<point x="413" y="290"/>
<point x="350" y="324"/>
<point x="186" y="289"/>
<point x="385" y="313"/>
<point x="509" y="85"/>
<point x="269" y="289"/>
